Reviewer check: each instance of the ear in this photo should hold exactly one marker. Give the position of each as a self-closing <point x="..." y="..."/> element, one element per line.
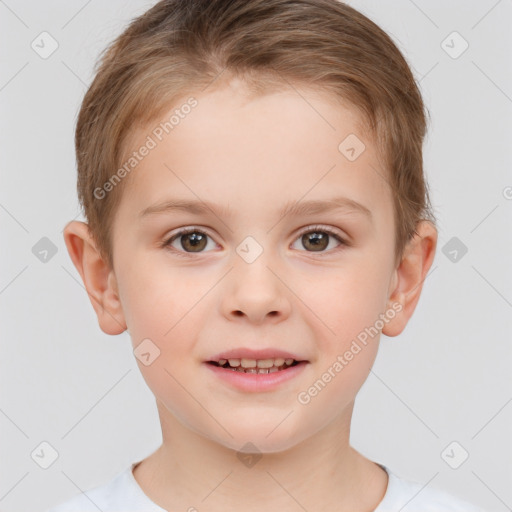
<point x="99" y="280"/>
<point x="408" y="278"/>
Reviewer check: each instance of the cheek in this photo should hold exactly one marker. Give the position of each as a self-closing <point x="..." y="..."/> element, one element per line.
<point x="160" y="311"/>
<point x="154" y="301"/>
<point x="349" y="302"/>
<point x="346" y="300"/>
<point x="172" y="387"/>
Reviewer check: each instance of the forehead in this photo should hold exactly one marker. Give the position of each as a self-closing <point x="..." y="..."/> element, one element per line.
<point x="255" y="151"/>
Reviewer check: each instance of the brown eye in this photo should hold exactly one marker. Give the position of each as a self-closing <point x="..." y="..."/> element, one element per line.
<point x="315" y="241"/>
<point x="319" y="239"/>
<point x="193" y="242"/>
<point x="189" y="241"/>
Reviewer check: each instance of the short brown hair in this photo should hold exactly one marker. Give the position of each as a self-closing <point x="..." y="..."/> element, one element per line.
<point x="180" y="46"/>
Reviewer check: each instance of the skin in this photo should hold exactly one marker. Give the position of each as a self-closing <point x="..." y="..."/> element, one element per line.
<point x="253" y="155"/>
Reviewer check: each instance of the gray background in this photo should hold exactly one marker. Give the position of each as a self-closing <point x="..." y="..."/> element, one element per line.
<point x="446" y="378"/>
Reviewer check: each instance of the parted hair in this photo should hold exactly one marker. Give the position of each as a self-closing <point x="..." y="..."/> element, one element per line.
<point x="179" y="47"/>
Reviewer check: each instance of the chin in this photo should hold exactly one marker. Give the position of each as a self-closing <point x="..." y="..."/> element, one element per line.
<point x="263" y="438"/>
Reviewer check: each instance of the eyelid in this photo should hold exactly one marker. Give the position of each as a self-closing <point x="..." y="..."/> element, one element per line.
<point x="319" y="227"/>
<point x="188" y="229"/>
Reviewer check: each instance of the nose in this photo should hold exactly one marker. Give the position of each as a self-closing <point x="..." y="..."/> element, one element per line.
<point x="255" y="294"/>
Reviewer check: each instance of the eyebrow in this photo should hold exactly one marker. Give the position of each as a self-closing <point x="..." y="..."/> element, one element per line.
<point x="291" y="208"/>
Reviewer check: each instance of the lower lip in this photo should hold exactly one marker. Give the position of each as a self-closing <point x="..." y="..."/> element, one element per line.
<point x="257" y="382"/>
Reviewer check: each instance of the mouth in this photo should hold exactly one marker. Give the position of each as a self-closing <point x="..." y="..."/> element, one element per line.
<point x="257" y="366"/>
<point x="256" y="371"/>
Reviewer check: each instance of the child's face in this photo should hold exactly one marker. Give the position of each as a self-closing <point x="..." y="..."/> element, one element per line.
<point x="249" y="158"/>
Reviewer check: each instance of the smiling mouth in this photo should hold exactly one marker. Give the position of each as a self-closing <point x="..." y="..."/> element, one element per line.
<point x="257" y="366"/>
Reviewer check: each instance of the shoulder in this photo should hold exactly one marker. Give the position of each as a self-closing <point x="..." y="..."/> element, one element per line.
<point x="121" y="494"/>
<point x="409" y="496"/>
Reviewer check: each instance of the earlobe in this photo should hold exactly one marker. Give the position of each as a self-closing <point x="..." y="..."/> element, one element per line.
<point x="410" y="275"/>
<point x="99" y="280"/>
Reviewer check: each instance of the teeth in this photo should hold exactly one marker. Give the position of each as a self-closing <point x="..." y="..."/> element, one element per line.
<point x="266" y="363"/>
<point x="247" y="365"/>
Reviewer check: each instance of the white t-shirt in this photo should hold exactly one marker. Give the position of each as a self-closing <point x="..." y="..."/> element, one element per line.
<point x="123" y="494"/>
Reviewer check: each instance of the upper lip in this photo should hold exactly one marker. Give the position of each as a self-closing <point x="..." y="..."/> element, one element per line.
<point x="248" y="353"/>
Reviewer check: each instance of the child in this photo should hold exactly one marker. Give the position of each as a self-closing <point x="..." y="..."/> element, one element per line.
<point x="257" y="214"/>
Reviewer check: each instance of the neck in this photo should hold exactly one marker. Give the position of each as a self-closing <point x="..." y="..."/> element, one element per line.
<point x="190" y="471"/>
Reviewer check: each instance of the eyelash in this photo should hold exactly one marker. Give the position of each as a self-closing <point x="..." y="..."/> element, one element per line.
<point x="310" y="229"/>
